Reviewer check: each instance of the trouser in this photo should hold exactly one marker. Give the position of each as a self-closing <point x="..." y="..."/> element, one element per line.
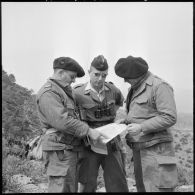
<point x="159" y="168"/>
<point x="114" y="175"/>
<point x="61" y="168"/>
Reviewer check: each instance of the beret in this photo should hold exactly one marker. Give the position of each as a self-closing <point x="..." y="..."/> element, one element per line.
<point x="100" y="63"/>
<point x="131" y="67"/>
<point x="68" y="63"/>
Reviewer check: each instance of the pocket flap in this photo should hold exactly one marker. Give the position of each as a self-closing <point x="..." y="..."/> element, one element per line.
<point x="142" y="99"/>
<point x="166" y="160"/>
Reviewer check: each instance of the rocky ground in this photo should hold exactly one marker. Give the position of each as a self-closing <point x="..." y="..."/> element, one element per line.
<point x="183" y="143"/>
<point x="26" y="185"/>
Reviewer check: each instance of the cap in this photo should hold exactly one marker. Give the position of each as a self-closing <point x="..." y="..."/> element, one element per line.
<point x="100" y="63"/>
<point x="68" y="63"/>
<point x="131" y="67"/>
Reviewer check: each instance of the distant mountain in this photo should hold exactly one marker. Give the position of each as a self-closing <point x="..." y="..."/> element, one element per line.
<point x="184" y="100"/>
<point x="184" y="121"/>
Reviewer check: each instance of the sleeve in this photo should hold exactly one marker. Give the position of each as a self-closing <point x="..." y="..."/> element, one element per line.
<point x="119" y="97"/>
<point x="166" y="109"/>
<point x="52" y="108"/>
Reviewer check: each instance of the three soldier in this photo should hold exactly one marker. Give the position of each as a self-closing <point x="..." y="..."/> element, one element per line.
<point x="71" y="116"/>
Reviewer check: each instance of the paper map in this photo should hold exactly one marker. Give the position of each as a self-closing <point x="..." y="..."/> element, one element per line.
<point x="111" y="131"/>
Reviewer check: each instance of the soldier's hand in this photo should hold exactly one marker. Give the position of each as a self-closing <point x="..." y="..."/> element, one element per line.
<point x="120" y="121"/>
<point x="94" y="134"/>
<point x="134" y="129"/>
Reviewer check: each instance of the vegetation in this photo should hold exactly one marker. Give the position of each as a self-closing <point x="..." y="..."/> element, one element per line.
<point x="19" y="124"/>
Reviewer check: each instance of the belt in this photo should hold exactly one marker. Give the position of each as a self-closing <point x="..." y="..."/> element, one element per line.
<point x="138" y="171"/>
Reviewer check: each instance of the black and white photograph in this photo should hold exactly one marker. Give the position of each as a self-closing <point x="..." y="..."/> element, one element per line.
<point x="97" y="97"/>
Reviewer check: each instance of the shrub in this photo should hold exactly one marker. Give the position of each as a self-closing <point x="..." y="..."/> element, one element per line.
<point x="189" y="150"/>
<point x="177" y="147"/>
<point x="184" y="177"/>
<point x="10" y="164"/>
<point x="187" y="165"/>
<point x="13" y="165"/>
<point x="184" y="140"/>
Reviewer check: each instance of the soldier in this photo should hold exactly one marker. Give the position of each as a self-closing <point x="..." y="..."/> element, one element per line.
<point x="64" y="131"/>
<point x="98" y="102"/>
<point x="151" y="110"/>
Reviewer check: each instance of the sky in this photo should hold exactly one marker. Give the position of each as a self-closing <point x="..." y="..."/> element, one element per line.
<point x="35" y="33"/>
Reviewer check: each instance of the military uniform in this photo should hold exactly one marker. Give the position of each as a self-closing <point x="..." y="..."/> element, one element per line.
<point x="64" y="130"/>
<point x="151" y="105"/>
<point x="98" y="110"/>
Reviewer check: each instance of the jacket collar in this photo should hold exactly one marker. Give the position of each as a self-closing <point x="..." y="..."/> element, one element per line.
<point x="147" y="81"/>
<point x="89" y="88"/>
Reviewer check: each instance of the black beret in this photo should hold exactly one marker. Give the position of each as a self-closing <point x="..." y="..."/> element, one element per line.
<point x="100" y="63"/>
<point x="67" y="63"/>
<point x="131" y="67"/>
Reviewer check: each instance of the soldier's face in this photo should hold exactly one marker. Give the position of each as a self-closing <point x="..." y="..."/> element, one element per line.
<point x="69" y="77"/>
<point x="97" y="78"/>
<point x="132" y="82"/>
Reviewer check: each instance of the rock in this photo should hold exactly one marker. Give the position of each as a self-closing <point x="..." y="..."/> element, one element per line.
<point x="131" y="186"/>
<point x="30" y="188"/>
<point x="185" y="188"/>
<point x="21" y="179"/>
<point x="101" y="189"/>
<point x="43" y="186"/>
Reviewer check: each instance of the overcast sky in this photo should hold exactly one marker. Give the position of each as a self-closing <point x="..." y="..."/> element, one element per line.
<point x="33" y="34"/>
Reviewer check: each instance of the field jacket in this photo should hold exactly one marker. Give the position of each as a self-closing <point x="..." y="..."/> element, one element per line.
<point x="57" y="114"/>
<point x="153" y="106"/>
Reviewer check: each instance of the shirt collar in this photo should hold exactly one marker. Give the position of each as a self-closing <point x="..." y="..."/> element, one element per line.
<point x="89" y="88"/>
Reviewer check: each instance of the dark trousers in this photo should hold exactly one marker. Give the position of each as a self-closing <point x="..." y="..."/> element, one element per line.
<point x="114" y="175"/>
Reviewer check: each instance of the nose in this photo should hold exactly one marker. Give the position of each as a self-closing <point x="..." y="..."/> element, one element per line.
<point x="100" y="78"/>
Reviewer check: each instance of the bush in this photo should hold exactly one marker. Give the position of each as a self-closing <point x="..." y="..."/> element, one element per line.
<point x="10" y="164"/>
<point x="13" y="165"/>
<point x="189" y="150"/>
<point x="184" y="177"/>
<point x="184" y="140"/>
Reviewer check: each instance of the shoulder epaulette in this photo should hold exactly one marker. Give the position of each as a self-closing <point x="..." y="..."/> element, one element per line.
<point x="48" y="85"/>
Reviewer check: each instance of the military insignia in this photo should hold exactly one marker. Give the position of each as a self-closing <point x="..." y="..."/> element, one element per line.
<point x="62" y="62"/>
<point x="48" y="85"/>
<point x="102" y="58"/>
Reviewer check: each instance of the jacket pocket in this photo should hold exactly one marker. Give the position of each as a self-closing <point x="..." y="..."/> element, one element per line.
<point x="167" y="171"/>
<point x="142" y="100"/>
<point x="56" y="141"/>
<point x="140" y="106"/>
